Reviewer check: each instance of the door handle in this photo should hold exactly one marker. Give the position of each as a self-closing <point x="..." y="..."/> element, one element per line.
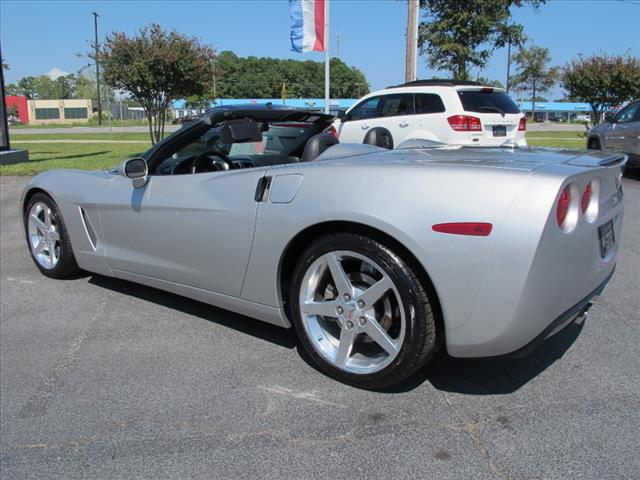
<point x="404" y="124"/>
<point x="262" y="189"/>
<point x="365" y="127"/>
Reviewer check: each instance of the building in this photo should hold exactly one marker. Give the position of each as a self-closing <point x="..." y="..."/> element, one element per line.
<point x="314" y="104"/>
<point x="19" y="103"/>
<point x="558" y="111"/>
<point x="73" y="110"/>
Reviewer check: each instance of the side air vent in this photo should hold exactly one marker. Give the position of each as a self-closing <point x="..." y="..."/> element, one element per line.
<point x="90" y="231"/>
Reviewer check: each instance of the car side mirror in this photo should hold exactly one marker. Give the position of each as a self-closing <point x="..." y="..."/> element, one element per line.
<point x="609" y="118"/>
<point x="136" y="170"/>
<point x="341" y="115"/>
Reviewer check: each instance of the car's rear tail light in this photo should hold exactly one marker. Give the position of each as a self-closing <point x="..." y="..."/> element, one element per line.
<point x="486" y="90"/>
<point x="586" y="198"/>
<point x="331" y="130"/>
<point x="522" y="126"/>
<point x="589" y="202"/>
<point x="465" y="123"/>
<point x="476" y="229"/>
<point x="562" y="208"/>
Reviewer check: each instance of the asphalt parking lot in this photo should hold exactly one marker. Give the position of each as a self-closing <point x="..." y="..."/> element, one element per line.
<point x="102" y="378"/>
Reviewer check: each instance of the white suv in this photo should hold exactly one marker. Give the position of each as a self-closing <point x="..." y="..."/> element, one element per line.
<point x="448" y="111"/>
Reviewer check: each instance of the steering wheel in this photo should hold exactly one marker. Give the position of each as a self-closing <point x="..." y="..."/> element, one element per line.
<point x="204" y="163"/>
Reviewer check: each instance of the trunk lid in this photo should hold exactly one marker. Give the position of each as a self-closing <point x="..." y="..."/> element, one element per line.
<point x="528" y="158"/>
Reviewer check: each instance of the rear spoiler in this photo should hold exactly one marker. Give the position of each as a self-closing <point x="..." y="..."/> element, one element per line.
<point x="598" y="160"/>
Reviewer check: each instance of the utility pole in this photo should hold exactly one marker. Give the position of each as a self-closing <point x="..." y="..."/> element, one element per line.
<point x="97" y="53"/>
<point x="508" y="64"/>
<point x="412" y="40"/>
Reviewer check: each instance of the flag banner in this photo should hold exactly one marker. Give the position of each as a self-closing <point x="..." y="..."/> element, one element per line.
<point x="307" y="25"/>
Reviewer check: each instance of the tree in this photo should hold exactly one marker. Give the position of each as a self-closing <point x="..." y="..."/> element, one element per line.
<point x="27" y="86"/>
<point x="492" y="83"/>
<point x="533" y="74"/>
<point x="604" y="82"/>
<point x="86" y="83"/>
<point x="12" y="90"/>
<point x="12" y="111"/>
<point x="253" y="77"/>
<point x="460" y="34"/>
<point x="157" y="67"/>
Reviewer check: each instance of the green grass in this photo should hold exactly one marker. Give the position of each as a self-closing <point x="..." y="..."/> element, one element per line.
<point x="93" y="122"/>
<point x="141" y="136"/>
<point x="96" y="156"/>
<point x="573" y="140"/>
<point x="92" y="156"/>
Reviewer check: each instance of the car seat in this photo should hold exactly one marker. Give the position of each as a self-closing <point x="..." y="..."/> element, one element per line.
<point x="317" y="145"/>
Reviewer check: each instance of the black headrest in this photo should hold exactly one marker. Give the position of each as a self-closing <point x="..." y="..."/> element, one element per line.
<point x="316" y="145"/>
<point x="380" y="137"/>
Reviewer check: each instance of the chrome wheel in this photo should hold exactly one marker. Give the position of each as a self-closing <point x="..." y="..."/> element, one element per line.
<point x="352" y="312"/>
<point x="44" y="235"/>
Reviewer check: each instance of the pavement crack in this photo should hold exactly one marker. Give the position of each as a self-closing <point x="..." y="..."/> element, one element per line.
<point x="306" y="396"/>
<point x="471" y="429"/>
<point x="49" y="388"/>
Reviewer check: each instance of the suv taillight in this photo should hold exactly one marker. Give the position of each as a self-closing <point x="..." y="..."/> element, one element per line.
<point x="465" y="123"/>
<point x="522" y="126"/>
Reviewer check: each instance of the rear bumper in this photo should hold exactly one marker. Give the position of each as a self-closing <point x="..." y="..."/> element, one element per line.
<point x="575" y="313"/>
<point x="534" y="278"/>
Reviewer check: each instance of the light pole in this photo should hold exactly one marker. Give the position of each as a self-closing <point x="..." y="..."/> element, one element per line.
<point x="97" y="52"/>
<point x="508" y="64"/>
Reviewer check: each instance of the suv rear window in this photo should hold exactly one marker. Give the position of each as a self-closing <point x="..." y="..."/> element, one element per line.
<point x="487" y="101"/>
<point x="428" y="103"/>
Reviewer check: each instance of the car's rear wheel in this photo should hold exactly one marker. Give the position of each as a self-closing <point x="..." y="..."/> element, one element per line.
<point x="360" y="311"/>
<point x="594" y="144"/>
<point x="48" y="239"/>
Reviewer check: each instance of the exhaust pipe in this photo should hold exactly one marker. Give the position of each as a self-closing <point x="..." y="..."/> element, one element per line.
<point x="583" y="313"/>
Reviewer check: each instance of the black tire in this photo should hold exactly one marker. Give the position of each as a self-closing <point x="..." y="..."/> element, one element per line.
<point x="66" y="266"/>
<point x="419" y="343"/>
<point x="594" y="144"/>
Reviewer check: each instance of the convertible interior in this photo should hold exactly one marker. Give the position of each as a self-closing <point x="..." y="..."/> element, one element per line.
<point x="243" y="141"/>
<point x="230" y="138"/>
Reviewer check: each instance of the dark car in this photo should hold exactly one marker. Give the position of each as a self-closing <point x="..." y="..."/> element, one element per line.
<point x="619" y="133"/>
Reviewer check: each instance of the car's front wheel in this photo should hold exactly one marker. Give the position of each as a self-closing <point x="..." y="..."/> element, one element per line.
<point x="47" y="236"/>
<point x="360" y="311"/>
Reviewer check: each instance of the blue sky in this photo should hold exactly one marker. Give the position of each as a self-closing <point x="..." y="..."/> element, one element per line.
<point x="37" y="37"/>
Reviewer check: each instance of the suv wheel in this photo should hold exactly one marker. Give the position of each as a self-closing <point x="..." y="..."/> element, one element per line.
<point x="594" y="144"/>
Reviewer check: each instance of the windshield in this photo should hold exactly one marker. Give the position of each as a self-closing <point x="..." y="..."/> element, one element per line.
<point x="278" y="140"/>
<point x="487" y="101"/>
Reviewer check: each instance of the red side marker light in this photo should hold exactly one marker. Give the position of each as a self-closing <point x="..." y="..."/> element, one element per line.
<point x="476" y="229"/>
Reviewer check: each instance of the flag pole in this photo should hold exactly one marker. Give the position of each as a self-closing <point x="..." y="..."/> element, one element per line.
<point x="326" y="56"/>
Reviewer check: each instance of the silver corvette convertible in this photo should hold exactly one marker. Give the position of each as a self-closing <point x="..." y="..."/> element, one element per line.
<point x="376" y="256"/>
